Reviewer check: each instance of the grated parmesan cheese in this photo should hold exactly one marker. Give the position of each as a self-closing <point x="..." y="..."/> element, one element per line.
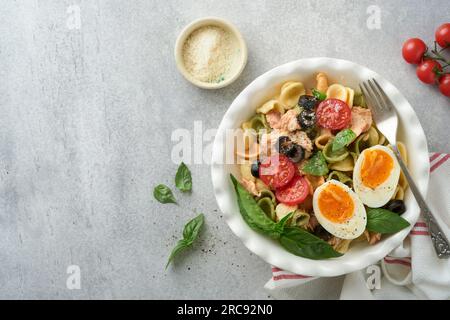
<point x="210" y="53"/>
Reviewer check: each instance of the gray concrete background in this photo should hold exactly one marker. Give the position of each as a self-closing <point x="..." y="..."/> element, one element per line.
<point x="85" y="134"/>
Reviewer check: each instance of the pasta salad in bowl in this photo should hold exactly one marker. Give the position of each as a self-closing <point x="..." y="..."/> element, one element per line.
<point x="307" y="181"/>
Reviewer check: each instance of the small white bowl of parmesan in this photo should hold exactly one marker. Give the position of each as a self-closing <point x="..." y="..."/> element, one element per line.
<point x="210" y="53"/>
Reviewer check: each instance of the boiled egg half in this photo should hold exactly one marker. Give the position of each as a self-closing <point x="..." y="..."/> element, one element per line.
<point x="375" y="176"/>
<point x="339" y="210"/>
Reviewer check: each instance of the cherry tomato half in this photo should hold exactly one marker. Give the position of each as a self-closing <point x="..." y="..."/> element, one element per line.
<point x="295" y="192"/>
<point x="426" y="71"/>
<point x="276" y="171"/>
<point x="442" y="35"/>
<point x="413" y="50"/>
<point x="444" y="84"/>
<point x="333" y="114"/>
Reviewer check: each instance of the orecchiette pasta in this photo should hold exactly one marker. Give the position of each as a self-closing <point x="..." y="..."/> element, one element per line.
<point x="322" y="82"/>
<point x="337" y="91"/>
<point x="300" y="218"/>
<point x="358" y="100"/>
<point x="250" y="138"/>
<point x="367" y="140"/>
<point x="404" y="154"/>
<point x="343" y="246"/>
<point x="334" y="156"/>
<point x="373" y="138"/>
<point x="342" y="177"/>
<point x="251" y="154"/>
<point x="246" y="171"/>
<point x="399" y="193"/>
<point x="340" y="245"/>
<point x="282" y="210"/>
<point x="345" y="165"/>
<point x="246" y="147"/>
<point x="266" y="193"/>
<point x="266" y="204"/>
<point x="322" y="140"/>
<point x="271" y="105"/>
<point x="260" y="186"/>
<point x="290" y="93"/>
<point x="350" y="96"/>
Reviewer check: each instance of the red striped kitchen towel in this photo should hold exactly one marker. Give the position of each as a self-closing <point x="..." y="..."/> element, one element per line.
<point x="410" y="271"/>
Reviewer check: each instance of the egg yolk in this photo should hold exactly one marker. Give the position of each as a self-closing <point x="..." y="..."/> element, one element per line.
<point x="376" y="167"/>
<point x="335" y="204"/>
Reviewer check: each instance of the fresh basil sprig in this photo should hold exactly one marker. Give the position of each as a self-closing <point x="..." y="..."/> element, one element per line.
<point x="317" y="165"/>
<point x="183" y="178"/>
<point x="190" y="233"/>
<point x="297" y="241"/>
<point x="319" y="95"/>
<point x="163" y="194"/>
<point x="343" y="139"/>
<point x="384" y="221"/>
<point x="302" y="243"/>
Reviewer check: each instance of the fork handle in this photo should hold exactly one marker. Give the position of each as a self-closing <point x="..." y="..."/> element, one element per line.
<point x="440" y="242"/>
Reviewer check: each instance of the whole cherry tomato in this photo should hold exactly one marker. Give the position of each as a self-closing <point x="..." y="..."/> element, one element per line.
<point x="442" y="35"/>
<point x="426" y="71"/>
<point x="444" y="84"/>
<point x="413" y="50"/>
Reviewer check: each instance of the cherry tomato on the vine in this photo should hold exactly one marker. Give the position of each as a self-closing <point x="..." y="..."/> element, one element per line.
<point x="442" y="35"/>
<point x="426" y="71"/>
<point x="444" y="84"/>
<point x="413" y="50"/>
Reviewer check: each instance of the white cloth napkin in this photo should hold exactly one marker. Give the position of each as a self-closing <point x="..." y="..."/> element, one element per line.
<point x="411" y="271"/>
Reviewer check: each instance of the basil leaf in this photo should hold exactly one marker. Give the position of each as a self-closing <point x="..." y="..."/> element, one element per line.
<point x="319" y="95"/>
<point x="304" y="244"/>
<point x="253" y="215"/>
<point x="181" y="245"/>
<point x="384" y="221"/>
<point x="190" y="233"/>
<point x="283" y="221"/>
<point x="317" y="165"/>
<point x="192" y="228"/>
<point x="183" y="178"/>
<point x="163" y="194"/>
<point x="343" y="139"/>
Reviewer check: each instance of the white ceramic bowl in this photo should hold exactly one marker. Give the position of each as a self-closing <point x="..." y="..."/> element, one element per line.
<point x="237" y="68"/>
<point x="243" y="107"/>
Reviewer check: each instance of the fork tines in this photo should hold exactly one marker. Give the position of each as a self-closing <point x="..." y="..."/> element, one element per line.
<point x="375" y="95"/>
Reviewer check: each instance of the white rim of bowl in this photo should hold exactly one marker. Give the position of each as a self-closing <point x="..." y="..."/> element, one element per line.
<point x="191" y="27"/>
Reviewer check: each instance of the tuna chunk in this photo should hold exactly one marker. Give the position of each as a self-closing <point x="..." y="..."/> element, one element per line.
<point x="274" y="119"/>
<point x="289" y="121"/>
<point x="361" y="120"/>
<point x="302" y="139"/>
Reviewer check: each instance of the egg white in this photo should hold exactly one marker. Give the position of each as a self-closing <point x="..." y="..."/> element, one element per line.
<point x="379" y="196"/>
<point x="350" y="229"/>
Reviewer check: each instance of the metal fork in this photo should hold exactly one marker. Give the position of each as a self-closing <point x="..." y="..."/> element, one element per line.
<point x="385" y="117"/>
